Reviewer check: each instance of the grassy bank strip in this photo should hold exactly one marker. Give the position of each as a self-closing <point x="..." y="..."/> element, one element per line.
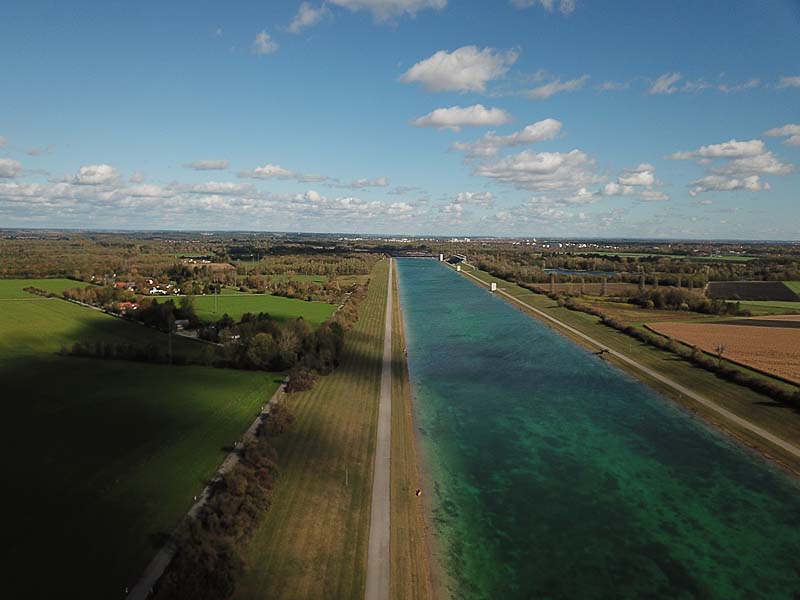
<point x="313" y="541"/>
<point x="760" y="410"/>
<point x="411" y="577"/>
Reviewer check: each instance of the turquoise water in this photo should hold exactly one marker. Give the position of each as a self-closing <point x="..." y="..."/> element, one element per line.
<point x="555" y="475"/>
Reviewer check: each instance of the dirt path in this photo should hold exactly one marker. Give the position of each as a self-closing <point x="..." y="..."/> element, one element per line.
<point x="378" y="566"/>
<point x="783" y="444"/>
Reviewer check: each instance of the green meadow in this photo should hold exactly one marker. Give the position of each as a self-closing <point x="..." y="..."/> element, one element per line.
<point x="104" y="456"/>
<point x="235" y="305"/>
<point x="13" y="288"/>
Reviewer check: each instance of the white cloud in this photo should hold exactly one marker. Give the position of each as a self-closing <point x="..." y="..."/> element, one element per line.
<point x="565" y="6"/>
<point x="743" y="162"/>
<point x="787" y="82"/>
<point x="264" y="44"/>
<point x="788" y="129"/>
<point x="766" y="163"/>
<point x="270" y="171"/>
<point x="490" y="144"/>
<point x="639" y="182"/>
<point x="543" y="170"/>
<point x="720" y="183"/>
<point x="207" y="165"/>
<point x="9" y="168"/>
<point x="791" y="131"/>
<point x="366" y="183"/>
<point x="476" y="198"/>
<point x="729" y="149"/>
<point x="555" y="87"/>
<point x="386" y="10"/>
<point x="644" y="174"/>
<point x="747" y="85"/>
<point x="95" y="175"/>
<point x="466" y="69"/>
<point x="665" y="84"/>
<point x="307" y="16"/>
<point x="456" y="117"/>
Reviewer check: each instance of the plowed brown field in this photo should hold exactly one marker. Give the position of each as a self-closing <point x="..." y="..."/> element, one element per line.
<point x="773" y="350"/>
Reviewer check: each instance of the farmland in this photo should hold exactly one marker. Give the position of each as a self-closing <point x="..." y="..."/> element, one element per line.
<point x="109" y="453"/>
<point x="237" y="304"/>
<point x="752" y="290"/>
<point x="313" y="541"/>
<point x="771" y="349"/>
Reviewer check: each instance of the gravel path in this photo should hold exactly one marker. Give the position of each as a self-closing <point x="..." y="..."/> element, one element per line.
<point x="378" y="567"/>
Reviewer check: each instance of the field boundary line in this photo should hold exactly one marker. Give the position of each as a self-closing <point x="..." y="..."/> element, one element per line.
<point x="156" y="567"/>
<point x="378" y="550"/>
<point x="760" y="431"/>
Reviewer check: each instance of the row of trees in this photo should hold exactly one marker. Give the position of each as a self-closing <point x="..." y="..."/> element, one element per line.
<point x="207" y="561"/>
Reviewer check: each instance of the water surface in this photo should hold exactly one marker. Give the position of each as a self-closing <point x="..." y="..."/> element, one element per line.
<point x="556" y="475"/>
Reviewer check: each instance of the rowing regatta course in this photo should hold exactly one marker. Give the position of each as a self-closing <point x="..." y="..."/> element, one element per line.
<point x="553" y="474"/>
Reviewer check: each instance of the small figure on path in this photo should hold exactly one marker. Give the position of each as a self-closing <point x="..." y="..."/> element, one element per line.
<point x="418" y="493"/>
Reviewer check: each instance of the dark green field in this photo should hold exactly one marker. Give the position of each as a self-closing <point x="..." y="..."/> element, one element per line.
<point x="235" y="305"/>
<point x="103" y="457"/>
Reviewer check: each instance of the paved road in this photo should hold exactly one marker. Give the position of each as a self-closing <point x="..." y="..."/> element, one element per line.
<point x="791" y="448"/>
<point x="378" y="571"/>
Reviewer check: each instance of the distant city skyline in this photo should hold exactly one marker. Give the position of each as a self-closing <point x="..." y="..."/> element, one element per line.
<point x="515" y="118"/>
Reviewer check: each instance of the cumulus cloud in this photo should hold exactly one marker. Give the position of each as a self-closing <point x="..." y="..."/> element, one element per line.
<point x="456" y="117"/>
<point x="565" y="6"/>
<point x="95" y="175"/>
<point x="790" y="131"/>
<point x="386" y="10"/>
<point x="729" y="149"/>
<point x="207" y="165"/>
<point x="665" y="84"/>
<point x="466" y="69"/>
<point x="789" y="82"/>
<point x="490" y="144"/>
<point x="720" y="183"/>
<point x="364" y="182"/>
<point x="270" y="171"/>
<point x="476" y="198"/>
<point x="542" y="170"/>
<point x="639" y="182"/>
<point x="556" y="86"/>
<point x="9" y="168"/>
<point x="307" y="16"/>
<point x="264" y="44"/>
<point x="743" y="163"/>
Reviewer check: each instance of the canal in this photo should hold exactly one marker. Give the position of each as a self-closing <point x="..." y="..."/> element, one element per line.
<point x="555" y="475"/>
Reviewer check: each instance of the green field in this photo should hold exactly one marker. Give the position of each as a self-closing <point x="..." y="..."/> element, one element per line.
<point x="794" y="286"/>
<point x="235" y="305"/>
<point x="103" y="457"/>
<point x="770" y="307"/>
<point x="12" y="288"/>
<point x="313" y="541"/>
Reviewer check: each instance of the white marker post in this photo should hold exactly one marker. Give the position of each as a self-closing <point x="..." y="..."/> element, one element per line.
<point x="493" y="287"/>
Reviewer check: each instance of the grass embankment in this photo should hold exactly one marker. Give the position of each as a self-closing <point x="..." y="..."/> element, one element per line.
<point x="313" y="541"/>
<point x="236" y="304"/>
<point x="781" y="420"/>
<point x="103" y="456"/>
<point x="411" y="577"/>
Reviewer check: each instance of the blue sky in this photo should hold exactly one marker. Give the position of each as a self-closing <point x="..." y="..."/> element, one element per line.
<point x="583" y="118"/>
